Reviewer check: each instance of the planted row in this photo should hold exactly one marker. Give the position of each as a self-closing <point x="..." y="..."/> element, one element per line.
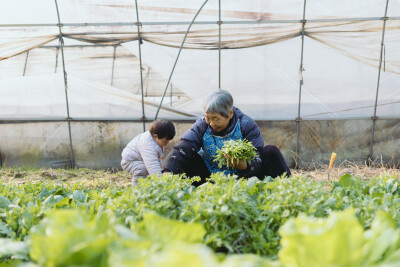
<point x="239" y="216"/>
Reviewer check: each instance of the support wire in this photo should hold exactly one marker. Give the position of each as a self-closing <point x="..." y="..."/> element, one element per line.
<point x="113" y="64"/>
<point x="238" y="22"/>
<point x="26" y="62"/>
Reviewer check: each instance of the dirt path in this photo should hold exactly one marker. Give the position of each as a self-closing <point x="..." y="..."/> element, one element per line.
<point x="120" y="178"/>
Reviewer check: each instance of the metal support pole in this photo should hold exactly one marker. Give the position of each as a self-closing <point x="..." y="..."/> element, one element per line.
<point x="177" y="57"/>
<point x="113" y="64"/>
<point x="374" y="117"/>
<point x="140" y="42"/>
<point x="219" y="43"/>
<point x="298" y="119"/>
<point x="26" y="62"/>
<point x="66" y="88"/>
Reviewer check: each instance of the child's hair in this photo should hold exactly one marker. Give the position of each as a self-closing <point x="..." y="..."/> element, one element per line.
<point x="162" y="128"/>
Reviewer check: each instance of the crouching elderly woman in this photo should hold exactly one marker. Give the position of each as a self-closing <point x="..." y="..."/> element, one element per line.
<point x="194" y="153"/>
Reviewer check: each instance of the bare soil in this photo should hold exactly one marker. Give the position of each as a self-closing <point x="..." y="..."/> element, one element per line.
<point x="123" y="179"/>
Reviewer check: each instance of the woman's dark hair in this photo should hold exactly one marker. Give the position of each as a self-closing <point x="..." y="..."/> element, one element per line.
<point x="162" y="128"/>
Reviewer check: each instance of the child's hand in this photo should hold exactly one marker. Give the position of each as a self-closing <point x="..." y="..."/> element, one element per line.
<point x="239" y="164"/>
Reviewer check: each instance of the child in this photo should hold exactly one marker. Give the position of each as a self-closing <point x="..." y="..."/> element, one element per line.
<point x="143" y="155"/>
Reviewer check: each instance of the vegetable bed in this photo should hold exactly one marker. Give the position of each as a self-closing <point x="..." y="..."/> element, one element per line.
<point x="226" y="222"/>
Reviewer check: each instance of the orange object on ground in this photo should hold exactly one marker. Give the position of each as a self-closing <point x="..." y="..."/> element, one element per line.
<point x="332" y="160"/>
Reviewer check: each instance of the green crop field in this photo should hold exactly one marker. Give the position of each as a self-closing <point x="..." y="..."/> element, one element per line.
<point x="94" y="218"/>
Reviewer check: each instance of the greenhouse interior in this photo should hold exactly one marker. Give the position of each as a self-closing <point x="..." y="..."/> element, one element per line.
<point x="80" y="79"/>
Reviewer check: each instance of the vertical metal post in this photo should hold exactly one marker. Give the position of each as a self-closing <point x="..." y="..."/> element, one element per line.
<point x="177" y="57"/>
<point x="374" y="117"/>
<point x="113" y="64"/>
<point x="68" y="119"/>
<point x="219" y="44"/>
<point x="138" y="24"/>
<point x="301" y="69"/>
<point x="26" y="62"/>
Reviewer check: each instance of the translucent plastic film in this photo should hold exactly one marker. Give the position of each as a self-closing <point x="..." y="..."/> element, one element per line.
<point x="350" y="57"/>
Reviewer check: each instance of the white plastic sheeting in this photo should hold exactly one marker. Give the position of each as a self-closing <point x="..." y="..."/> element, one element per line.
<point x="44" y="97"/>
<point x="341" y="56"/>
<point x="349" y="64"/>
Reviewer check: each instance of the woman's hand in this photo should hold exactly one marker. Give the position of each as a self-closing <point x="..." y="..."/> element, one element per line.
<point x="239" y="164"/>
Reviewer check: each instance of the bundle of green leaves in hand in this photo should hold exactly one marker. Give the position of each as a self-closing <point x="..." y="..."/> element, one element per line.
<point x="233" y="150"/>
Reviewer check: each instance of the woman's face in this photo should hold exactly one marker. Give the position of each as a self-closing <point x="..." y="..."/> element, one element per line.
<point x="217" y="121"/>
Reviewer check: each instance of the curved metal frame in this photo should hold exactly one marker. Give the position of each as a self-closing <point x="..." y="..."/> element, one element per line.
<point x="177" y="57"/>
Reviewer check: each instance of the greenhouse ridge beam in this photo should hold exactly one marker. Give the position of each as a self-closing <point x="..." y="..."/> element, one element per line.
<point x="140" y="64"/>
<point x="96" y="119"/>
<point x="183" y="119"/>
<point x="149" y="23"/>
<point x="65" y="87"/>
<point x="177" y="57"/>
<point x="298" y="119"/>
<point x="377" y="86"/>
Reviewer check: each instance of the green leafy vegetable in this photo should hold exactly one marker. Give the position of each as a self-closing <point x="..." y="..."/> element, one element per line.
<point x="69" y="237"/>
<point x="13" y="249"/>
<point x="227" y="214"/>
<point x="336" y="241"/>
<point x="340" y="240"/>
<point x="235" y="150"/>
